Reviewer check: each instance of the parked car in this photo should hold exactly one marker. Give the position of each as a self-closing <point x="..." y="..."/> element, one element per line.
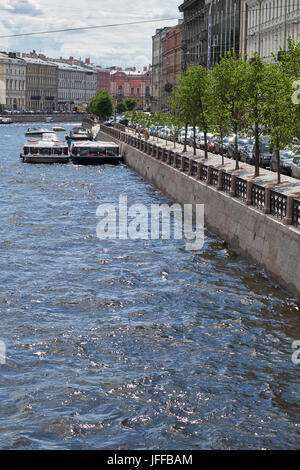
<point x="265" y="154"/>
<point x="295" y="167"/>
<point x="211" y="144"/>
<point x="218" y="148"/>
<point x="286" y="159"/>
<point x="201" y="141"/>
<point x="242" y="143"/>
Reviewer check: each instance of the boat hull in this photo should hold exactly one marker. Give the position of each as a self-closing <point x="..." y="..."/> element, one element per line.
<point x="78" y="160"/>
<point x="45" y="159"/>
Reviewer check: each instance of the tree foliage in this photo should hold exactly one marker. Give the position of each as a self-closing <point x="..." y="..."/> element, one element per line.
<point x="101" y="104"/>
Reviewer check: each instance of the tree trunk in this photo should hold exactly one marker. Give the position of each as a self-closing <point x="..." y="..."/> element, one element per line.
<point x="278" y="164"/>
<point x="236" y="154"/>
<point x="222" y="152"/>
<point x="194" y="140"/>
<point x="256" y="152"/>
<point x="205" y="145"/>
<point x="185" y="137"/>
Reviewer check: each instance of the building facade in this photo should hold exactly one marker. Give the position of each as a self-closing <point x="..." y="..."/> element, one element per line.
<point x="172" y="55"/>
<point x="12" y="82"/>
<point x="157" y="63"/>
<point x="211" y="28"/>
<point x="72" y="87"/>
<point x="41" y="84"/>
<point x="270" y="22"/>
<point x="103" y="76"/>
<point x="132" y="84"/>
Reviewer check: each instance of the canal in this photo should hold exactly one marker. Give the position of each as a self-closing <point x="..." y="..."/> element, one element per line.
<point x="123" y="344"/>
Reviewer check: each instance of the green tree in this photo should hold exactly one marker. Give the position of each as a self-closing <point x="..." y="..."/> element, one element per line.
<point x="232" y="73"/>
<point x="255" y="73"/>
<point x="176" y="114"/>
<point x="121" y="108"/>
<point x="279" y="112"/>
<point x="181" y="96"/>
<point x="101" y="105"/>
<point x="218" y="105"/>
<point x="130" y="104"/>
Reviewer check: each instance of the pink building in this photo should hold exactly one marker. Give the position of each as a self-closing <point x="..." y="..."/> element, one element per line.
<point x="130" y="83"/>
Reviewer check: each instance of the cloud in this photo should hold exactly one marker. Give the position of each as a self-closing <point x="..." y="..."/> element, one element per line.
<point x="22" y="7"/>
<point x="123" y="45"/>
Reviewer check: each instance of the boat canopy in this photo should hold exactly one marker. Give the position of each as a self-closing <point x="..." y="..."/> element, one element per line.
<point x="94" y="144"/>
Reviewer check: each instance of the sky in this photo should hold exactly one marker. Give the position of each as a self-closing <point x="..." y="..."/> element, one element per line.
<point x="121" y="46"/>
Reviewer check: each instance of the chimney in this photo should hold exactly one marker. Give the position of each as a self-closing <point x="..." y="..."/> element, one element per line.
<point x="145" y="69"/>
<point x="87" y="60"/>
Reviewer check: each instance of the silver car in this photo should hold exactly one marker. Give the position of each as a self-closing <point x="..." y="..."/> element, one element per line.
<point x="295" y="167"/>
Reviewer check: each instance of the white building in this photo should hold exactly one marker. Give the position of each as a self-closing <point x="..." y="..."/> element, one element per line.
<point x="12" y="81"/>
<point x="270" y="22"/>
<point x="76" y="85"/>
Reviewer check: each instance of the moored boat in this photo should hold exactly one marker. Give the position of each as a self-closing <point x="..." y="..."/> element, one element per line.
<point x="6" y="120"/>
<point x="95" y="153"/>
<point x="79" y="133"/>
<point x="58" y="129"/>
<point x="47" y="150"/>
<point x="37" y="132"/>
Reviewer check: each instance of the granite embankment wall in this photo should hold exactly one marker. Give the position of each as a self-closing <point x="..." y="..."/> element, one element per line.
<point x="270" y="242"/>
<point x="43" y="117"/>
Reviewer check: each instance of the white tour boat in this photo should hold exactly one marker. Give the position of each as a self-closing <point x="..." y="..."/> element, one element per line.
<point x="47" y="150"/>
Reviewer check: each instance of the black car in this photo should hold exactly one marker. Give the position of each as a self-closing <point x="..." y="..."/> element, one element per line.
<point x="265" y="154"/>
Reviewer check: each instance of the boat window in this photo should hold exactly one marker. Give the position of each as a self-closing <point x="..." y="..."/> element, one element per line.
<point x="84" y="152"/>
<point x="34" y="150"/>
<point x="112" y="152"/>
<point x="45" y="151"/>
<point x="97" y="151"/>
<point x="57" y="151"/>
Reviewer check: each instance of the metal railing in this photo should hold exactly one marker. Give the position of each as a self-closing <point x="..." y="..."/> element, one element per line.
<point x="269" y="201"/>
<point x="226" y="182"/>
<point x="258" y="194"/>
<point x="296" y="212"/>
<point x="278" y="204"/>
<point x="214" y="176"/>
<point x="241" y="189"/>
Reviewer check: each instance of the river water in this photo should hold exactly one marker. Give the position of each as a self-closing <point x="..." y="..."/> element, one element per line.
<point x="123" y="344"/>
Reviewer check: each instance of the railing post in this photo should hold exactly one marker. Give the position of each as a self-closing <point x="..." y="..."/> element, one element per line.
<point x="199" y="166"/>
<point x="267" y="208"/>
<point x="182" y="163"/>
<point x="168" y="157"/>
<point x="190" y="172"/>
<point x="208" y="174"/>
<point x="232" y="186"/>
<point x="157" y="153"/>
<point x="153" y="150"/>
<point x="220" y="179"/>
<point x="249" y="193"/>
<point x="288" y="219"/>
